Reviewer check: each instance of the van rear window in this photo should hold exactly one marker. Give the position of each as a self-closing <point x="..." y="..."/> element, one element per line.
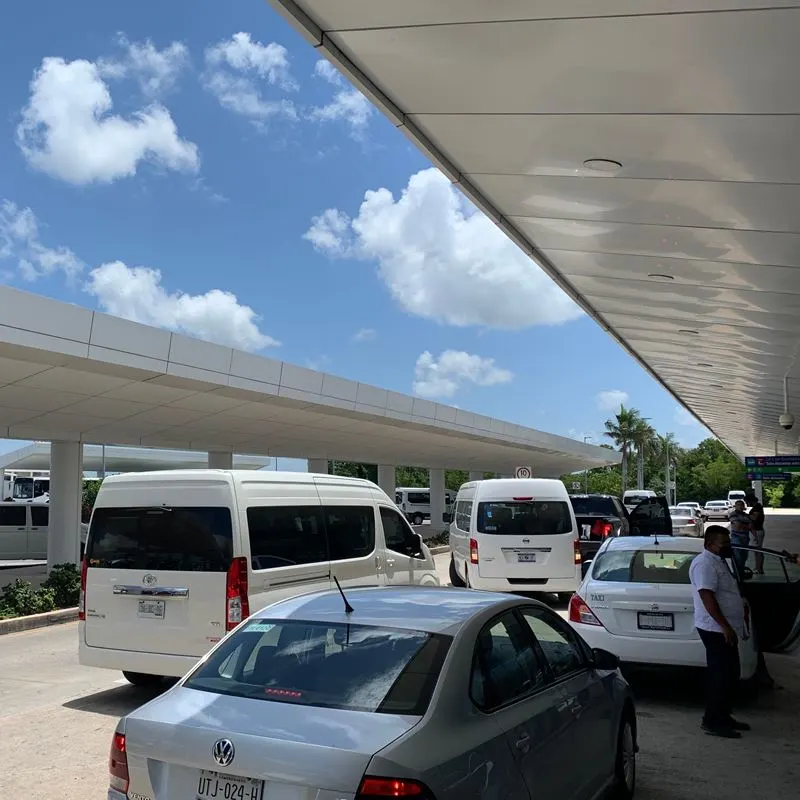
<point x="524" y="518"/>
<point x="190" y="539"/>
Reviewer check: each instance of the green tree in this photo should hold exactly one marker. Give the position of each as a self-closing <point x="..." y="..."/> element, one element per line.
<point x="622" y="430"/>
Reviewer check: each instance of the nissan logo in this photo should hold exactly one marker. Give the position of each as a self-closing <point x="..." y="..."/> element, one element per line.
<point x="223" y="752"/>
<point x="149" y="580"/>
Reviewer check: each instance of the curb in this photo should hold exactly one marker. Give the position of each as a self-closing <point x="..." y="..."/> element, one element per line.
<point x="33" y="621"/>
<point x="439" y="549"/>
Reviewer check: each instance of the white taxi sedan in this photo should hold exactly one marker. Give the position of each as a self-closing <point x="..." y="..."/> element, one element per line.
<point x="636" y="602"/>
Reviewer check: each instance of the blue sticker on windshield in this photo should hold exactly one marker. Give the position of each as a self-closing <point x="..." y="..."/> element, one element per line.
<point x="259" y="627"/>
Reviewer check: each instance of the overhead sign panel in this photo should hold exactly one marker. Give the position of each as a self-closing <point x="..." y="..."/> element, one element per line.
<point x="772" y="461"/>
<point x="769" y="476"/>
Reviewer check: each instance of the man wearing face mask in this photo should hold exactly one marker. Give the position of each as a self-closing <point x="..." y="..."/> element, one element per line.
<point x="719" y="616"/>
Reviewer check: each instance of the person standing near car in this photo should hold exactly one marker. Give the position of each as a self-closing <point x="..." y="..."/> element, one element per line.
<point x="720" y="619"/>
<point x="741" y="527"/>
<point x="757" y="516"/>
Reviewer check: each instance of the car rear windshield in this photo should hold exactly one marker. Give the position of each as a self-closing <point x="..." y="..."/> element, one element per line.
<point x="196" y="539"/>
<point x="635" y="499"/>
<point x="593" y="506"/>
<point x="643" y="566"/>
<point x="524" y="518"/>
<point x="326" y="664"/>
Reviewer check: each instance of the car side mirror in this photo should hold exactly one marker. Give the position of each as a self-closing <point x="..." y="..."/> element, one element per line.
<point x="585" y="566"/>
<point x="602" y="659"/>
<point x="415" y="546"/>
<point x="447" y="518"/>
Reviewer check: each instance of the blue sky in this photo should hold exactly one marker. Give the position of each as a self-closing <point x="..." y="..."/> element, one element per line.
<point x="192" y="165"/>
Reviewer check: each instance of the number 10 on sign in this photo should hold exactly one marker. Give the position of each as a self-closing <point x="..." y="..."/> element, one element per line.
<point x="523" y="472"/>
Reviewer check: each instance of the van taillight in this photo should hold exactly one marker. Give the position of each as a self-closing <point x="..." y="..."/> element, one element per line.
<point x="576" y="545"/>
<point x="236" y="595"/>
<point x="118" y="777"/>
<point x="473" y="551"/>
<point x="82" y="595"/>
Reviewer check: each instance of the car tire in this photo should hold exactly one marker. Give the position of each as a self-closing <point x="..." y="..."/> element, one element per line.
<point x="142" y="679"/>
<point x="455" y="578"/>
<point x="418" y="519"/>
<point x="625" y="762"/>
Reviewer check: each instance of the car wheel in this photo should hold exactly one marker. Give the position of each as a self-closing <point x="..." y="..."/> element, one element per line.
<point x="625" y="766"/>
<point x="455" y="578"/>
<point x="418" y="519"/>
<point x="142" y="679"/>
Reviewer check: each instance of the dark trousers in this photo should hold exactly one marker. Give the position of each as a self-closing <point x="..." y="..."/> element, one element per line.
<point x="722" y="675"/>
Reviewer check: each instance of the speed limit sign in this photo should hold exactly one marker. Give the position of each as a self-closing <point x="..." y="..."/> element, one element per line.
<point x="523" y="472"/>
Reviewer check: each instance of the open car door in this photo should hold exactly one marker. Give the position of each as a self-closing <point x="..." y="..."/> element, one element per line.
<point x="774" y="599"/>
<point x="651" y="518"/>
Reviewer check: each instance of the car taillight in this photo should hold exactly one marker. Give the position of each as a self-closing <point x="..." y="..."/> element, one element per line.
<point x="373" y="788"/>
<point x="118" y="777"/>
<point x="82" y="595"/>
<point x="576" y="546"/>
<point x="473" y="551"/>
<point x="580" y="612"/>
<point x="602" y="529"/>
<point x="236" y="594"/>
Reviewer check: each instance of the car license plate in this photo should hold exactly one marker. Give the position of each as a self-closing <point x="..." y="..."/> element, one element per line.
<point x="656" y="621"/>
<point x="526" y="558"/>
<point x="216" y="786"/>
<point x="151" y="609"/>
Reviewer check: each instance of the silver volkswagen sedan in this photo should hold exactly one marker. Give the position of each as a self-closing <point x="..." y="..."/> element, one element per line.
<point x="424" y="692"/>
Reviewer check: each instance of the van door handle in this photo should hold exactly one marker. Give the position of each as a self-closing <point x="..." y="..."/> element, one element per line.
<point x="147" y="591"/>
<point x="20" y="529"/>
<point x="523" y="744"/>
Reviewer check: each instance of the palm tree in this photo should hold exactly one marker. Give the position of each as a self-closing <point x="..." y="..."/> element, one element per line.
<point x="621" y="430"/>
<point x="644" y="437"/>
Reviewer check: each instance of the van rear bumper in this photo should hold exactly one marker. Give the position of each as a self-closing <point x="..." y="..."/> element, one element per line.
<point x="555" y="585"/>
<point x="131" y="661"/>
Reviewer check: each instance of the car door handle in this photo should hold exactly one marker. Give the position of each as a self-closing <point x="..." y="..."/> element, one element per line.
<point x="523" y="744"/>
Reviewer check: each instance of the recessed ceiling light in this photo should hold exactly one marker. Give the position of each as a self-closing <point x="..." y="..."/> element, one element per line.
<point x="715" y="386"/>
<point x="602" y="164"/>
<point x="687" y="330"/>
<point x="661" y="275"/>
<point x="703" y="364"/>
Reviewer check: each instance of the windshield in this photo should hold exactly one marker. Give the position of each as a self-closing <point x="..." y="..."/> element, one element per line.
<point x="675" y="511"/>
<point x="187" y="539"/>
<point x="635" y="499"/>
<point x="328" y="665"/>
<point x="583" y="506"/>
<point x="524" y="518"/>
<point x="643" y="566"/>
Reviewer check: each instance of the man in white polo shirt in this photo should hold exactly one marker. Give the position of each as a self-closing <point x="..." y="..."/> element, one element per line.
<point x="719" y="616"/>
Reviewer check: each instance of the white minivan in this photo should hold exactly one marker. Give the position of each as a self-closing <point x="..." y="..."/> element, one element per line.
<point x="515" y="535"/>
<point x="175" y="559"/>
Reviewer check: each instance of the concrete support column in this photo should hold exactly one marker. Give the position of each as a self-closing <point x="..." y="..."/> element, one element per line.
<point x="437" y="499"/>
<point x="66" y="488"/>
<point x="220" y="459"/>
<point x="475" y="475"/>
<point x="758" y="488"/>
<point x="386" y="479"/>
<point x="318" y="465"/>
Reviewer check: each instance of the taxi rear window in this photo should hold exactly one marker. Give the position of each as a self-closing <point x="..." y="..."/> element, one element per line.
<point x="326" y="664"/>
<point x="643" y="566"/>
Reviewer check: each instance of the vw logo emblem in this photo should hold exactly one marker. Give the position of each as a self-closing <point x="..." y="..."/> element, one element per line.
<point x="149" y="580"/>
<point x="223" y="752"/>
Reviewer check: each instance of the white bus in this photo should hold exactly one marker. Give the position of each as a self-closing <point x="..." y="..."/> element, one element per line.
<point x="25" y="486"/>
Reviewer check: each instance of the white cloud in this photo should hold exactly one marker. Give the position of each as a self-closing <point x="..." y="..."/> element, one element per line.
<point x="348" y="104"/>
<point x="365" y="335"/>
<point x="157" y="71"/>
<point x="611" y="399"/>
<point x="442" y="259"/>
<point x="683" y="417"/>
<point x="20" y="242"/>
<point x="68" y="130"/>
<point x="444" y="376"/>
<point x="136" y="293"/>
<point x="238" y="68"/>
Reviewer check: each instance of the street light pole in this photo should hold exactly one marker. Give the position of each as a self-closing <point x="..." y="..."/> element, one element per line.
<point x="586" y="471"/>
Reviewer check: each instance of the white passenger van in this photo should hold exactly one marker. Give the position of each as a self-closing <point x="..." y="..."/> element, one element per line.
<point x="23" y="530"/>
<point x="736" y="494"/>
<point x="514" y="535"/>
<point x="415" y="502"/>
<point x="176" y="559"/>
